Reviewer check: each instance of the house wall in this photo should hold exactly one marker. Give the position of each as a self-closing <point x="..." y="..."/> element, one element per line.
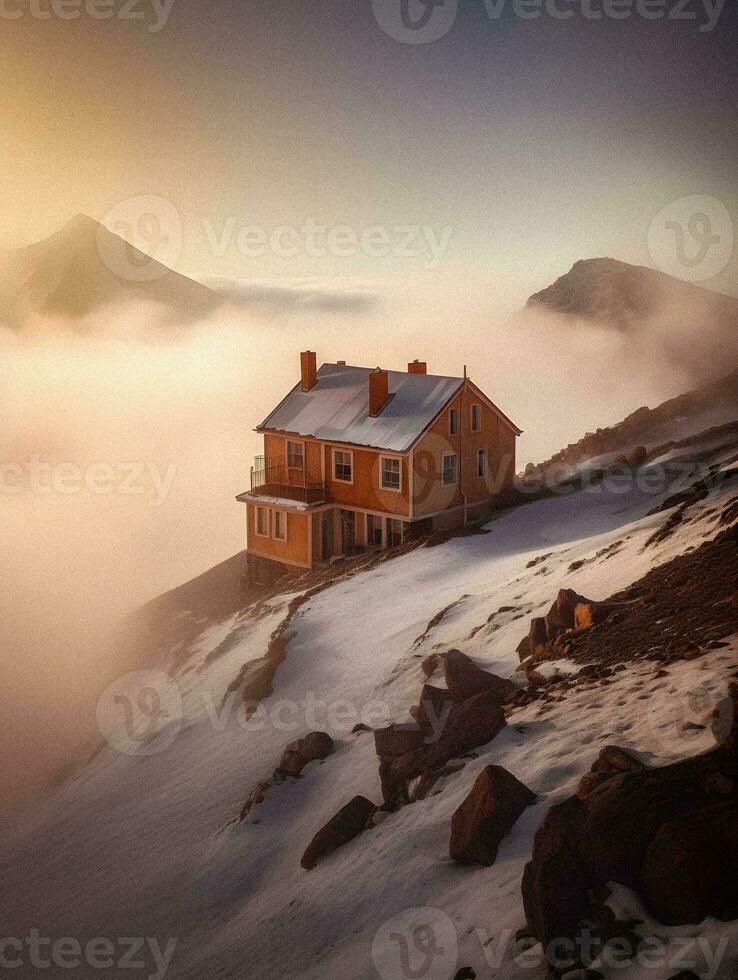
<point x="364" y="491"/>
<point x="495" y="436"/>
<point x="295" y="550"/>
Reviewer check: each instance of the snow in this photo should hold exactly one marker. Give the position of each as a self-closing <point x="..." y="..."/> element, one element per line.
<point x="336" y="409"/>
<point x="145" y="845"/>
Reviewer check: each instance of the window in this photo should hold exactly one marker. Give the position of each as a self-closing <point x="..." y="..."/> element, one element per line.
<point x="262" y="522"/>
<point x="481" y="462"/>
<point x="449" y="469"/>
<point x="343" y="466"/>
<point x="476" y="418"/>
<point x="394" y="532"/>
<point x="453" y="421"/>
<point x="295" y="455"/>
<point x="390" y="473"/>
<point x="373" y="531"/>
<point x="279" y="525"/>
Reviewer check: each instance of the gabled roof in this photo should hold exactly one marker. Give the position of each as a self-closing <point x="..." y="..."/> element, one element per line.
<point x="336" y="408"/>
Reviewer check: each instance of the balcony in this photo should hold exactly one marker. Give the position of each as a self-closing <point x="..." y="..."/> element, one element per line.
<point x="270" y="478"/>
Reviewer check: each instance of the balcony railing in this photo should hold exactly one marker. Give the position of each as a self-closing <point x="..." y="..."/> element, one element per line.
<point x="271" y="478"/>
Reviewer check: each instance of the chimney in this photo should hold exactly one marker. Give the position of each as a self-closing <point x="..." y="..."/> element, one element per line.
<point x="417" y="367"/>
<point x="378" y="391"/>
<point x="308" y="370"/>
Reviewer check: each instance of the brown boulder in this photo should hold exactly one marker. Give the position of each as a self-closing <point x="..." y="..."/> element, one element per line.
<point x="464" y="679"/>
<point x="395" y="740"/>
<point x="524" y="649"/>
<point x="473" y="722"/>
<point x="658" y="831"/>
<point x="432" y="711"/>
<point x="487" y="814"/>
<point x="561" y="614"/>
<point x="394" y="788"/>
<point x="611" y="759"/>
<point x="430" y="665"/>
<point x="690" y="863"/>
<point x="538" y="634"/>
<point x="588" y="614"/>
<point x="348" y="823"/>
<point x="297" y="754"/>
<point x="317" y="745"/>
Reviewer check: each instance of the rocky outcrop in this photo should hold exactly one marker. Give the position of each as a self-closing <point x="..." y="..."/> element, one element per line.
<point x="314" y="746"/>
<point x="347" y="824"/>
<point x="610" y="761"/>
<point x="671" y="834"/>
<point x="444" y="728"/>
<point x="487" y="814"/>
<point x="464" y="679"/>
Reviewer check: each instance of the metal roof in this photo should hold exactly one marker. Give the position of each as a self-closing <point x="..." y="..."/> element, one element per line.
<point x="336" y="409"/>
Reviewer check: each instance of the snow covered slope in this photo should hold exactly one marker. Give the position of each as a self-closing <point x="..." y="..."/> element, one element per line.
<point x="144" y="840"/>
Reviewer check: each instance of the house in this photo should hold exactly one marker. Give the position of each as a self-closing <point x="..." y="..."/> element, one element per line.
<point x="358" y="458"/>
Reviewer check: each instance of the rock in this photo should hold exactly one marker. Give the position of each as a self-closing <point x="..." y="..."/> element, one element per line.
<point x="348" y="823"/>
<point x="317" y="745"/>
<point x="614" y="759"/>
<point x="610" y="760"/>
<point x="464" y="679"/>
<point x="538" y="634"/>
<point x="688" y="865"/>
<point x="685" y="975"/>
<point x="465" y="973"/>
<point x="487" y="814"/>
<point x="524" y="649"/>
<point x="561" y="614"/>
<point x="671" y="834"/>
<point x="361" y="727"/>
<point x="588" y="614"/>
<point x="431" y="664"/>
<point x="432" y="712"/>
<point x="473" y="722"/>
<point x="396" y="740"/>
<point x="734" y="601"/>
<point x="394" y="788"/>
<point x="297" y="754"/>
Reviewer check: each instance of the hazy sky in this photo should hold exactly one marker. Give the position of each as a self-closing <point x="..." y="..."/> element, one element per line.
<point x="535" y="142"/>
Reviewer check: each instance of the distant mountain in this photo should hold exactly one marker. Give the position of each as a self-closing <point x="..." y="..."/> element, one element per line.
<point x="623" y="297"/>
<point x="83" y="267"/>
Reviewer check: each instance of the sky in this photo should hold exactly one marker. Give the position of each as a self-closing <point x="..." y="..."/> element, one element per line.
<point x="523" y="144"/>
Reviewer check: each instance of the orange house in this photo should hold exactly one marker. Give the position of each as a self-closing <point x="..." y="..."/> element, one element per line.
<point x="357" y="459"/>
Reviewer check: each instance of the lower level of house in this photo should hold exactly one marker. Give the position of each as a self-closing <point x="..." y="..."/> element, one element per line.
<point x="283" y="532"/>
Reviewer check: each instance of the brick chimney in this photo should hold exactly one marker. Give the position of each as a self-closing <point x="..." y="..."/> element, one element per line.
<point x="378" y="391"/>
<point x="417" y="367"/>
<point x="308" y="370"/>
